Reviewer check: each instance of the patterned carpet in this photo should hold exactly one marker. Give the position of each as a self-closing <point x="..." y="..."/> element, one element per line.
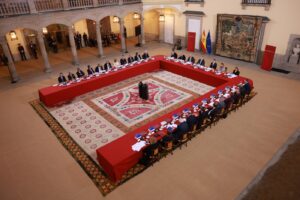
<point x="97" y="118"/>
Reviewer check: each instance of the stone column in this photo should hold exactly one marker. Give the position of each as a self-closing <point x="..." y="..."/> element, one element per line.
<point x="11" y="66"/>
<point x="95" y="3"/>
<point x="41" y="41"/>
<point x="161" y="31"/>
<point x="73" y="46"/>
<point x="99" y="39"/>
<point x="142" y="30"/>
<point x="123" y="42"/>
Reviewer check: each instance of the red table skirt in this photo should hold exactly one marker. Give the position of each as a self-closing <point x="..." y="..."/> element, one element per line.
<point x="117" y="157"/>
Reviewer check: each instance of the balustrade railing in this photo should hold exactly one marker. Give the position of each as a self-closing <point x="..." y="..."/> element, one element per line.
<point x="80" y="3"/>
<point x="256" y="2"/>
<point x="108" y="2"/>
<point x="21" y="7"/>
<point x="131" y="1"/>
<point x="13" y="7"/>
<point x="48" y="5"/>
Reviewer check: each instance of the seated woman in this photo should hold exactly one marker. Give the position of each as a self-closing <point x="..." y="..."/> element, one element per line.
<point x="174" y="55"/>
<point x="236" y="71"/>
<point x="116" y="63"/>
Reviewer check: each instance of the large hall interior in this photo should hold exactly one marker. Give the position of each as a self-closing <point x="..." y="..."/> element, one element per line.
<point x="148" y="99"/>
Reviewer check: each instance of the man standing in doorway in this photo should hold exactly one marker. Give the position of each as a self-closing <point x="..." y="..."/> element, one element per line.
<point x="33" y="49"/>
<point x="22" y="52"/>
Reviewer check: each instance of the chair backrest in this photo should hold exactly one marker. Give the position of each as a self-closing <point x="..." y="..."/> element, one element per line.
<point x="155" y="151"/>
<point x="169" y="145"/>
<point x="184" y="137"/>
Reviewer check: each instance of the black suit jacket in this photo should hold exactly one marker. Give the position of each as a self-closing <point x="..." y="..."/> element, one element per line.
<point x="107" y="66"/>
<point x="62" y="79"/>
<point x="201" y="62"/>
<point x="145" y="55"/>
<point x="71" y="77"/>
<point x="137" y="57"/>
<point x="213" y="65"/>
<point x="130" y="59"/>
<point x="174" y="55"/>
<point x="182" y="57"/>
<point x="80" y="74"/>
<point x="123" y="61"/>
<point x="191" y="59"/>
<point x="90" y="71"/>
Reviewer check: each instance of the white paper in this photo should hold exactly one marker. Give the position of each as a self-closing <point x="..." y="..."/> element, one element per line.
<point x="138" y="146"/>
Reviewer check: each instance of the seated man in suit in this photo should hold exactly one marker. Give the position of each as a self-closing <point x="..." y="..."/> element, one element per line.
<point x="61" y="78"/>
<point x="203" y="114"/>
<point x="99" y="68"/>
<point x="192" y="121"/>
<point x="145" y="55"/>
<point x="90" y="70"/>
<point x="174" y="55"/>
<point x="181" y="129"/>
<point x="182" y="57"/>
<point x="213" y="64"/>
<point x="80" y="73"/>
<point x="236" y="71"/>
<point x="123" y="60"/>
<point x="191" y="59"/>
<point x="201" y="62"/>
<point x="107" y="66"/>
<point x="247" y="87"/>
<point x="130" y="59"/>
<point x="137" y="57"/>
<point x="71" y="77"/>
<point x="149" y="151"/>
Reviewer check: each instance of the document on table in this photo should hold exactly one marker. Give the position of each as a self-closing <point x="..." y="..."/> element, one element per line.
<point x="138" y="146"/>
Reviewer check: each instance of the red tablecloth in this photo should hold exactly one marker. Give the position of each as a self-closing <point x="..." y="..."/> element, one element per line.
<point x="54" y="95"/>
<point x="117" y="157"/>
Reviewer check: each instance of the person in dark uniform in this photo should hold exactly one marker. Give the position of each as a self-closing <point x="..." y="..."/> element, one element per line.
<point x="99" y="68"/>
<point x="32" y="47"/>
<point x="71" y="77"/>
<point x="145" y="92"/>
<point x="90" y="70"/>
<point x="107" y="66"/>
<point x="80" y="73"/>
<point x="22" y="52"/>
<point x="140" y="86"/>
<point x="62" y="78"/>
<point x="85" y="39"/>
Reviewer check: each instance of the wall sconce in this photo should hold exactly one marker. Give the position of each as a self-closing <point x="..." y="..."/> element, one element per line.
<point x="136" y="16"/>
<point x="161" y="18"/>
<point x="116" y="19"/>
<point x="13" y="35"/>
<point x="45" y="30"/>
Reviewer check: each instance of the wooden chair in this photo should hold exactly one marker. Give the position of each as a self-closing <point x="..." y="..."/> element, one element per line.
<point x="167" y="147"/>
<point x="183" y="139"/>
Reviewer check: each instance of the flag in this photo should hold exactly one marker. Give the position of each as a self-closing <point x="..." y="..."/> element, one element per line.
<point x="203" y="42"/>
<point x="208" y="43"/>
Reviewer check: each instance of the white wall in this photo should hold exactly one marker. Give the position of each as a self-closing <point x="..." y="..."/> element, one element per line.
<point x="13" y="44"/>
<point x="284" y="16"/>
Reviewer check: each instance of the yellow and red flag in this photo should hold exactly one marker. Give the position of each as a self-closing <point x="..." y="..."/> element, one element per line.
<point x="203" y="42"/>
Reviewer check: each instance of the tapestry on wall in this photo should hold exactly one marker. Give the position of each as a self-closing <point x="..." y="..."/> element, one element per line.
<point x="238" y="36"/>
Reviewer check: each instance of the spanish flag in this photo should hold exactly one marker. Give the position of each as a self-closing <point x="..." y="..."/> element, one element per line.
<point x="203" y="42"/>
